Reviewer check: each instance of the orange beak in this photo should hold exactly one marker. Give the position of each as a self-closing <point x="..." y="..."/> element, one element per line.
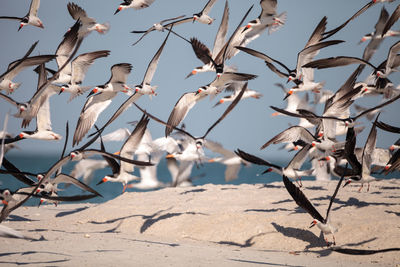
<point x="169" y="156"/>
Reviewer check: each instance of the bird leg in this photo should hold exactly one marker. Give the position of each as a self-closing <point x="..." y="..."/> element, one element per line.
<point x="327" y="242"/>
<point x="298" y="181"/>
<point x="334" y="240"/>
<point x="123" y="190"/>
<point x="359" y="190"/>
<point x="368" y="188"/>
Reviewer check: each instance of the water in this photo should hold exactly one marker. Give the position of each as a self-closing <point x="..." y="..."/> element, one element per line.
<point x="206" y="173"/>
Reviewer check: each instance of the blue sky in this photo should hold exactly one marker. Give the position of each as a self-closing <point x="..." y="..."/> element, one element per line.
<point x="249" y="126"/>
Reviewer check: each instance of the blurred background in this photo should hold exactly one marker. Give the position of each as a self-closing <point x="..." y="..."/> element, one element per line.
<point x="247" y="127"/>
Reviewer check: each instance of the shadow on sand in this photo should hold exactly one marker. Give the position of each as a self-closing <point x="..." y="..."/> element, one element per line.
<point x="300" y="234"/>
<point x="248" y="243"/>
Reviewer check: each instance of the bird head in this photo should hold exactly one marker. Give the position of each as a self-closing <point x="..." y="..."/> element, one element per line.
<point x="313" y="223"/>
<point x="104" y="180"/>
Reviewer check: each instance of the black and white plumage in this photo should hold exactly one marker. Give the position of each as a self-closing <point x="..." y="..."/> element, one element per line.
<point x="203" y="16"/>
<point x="100" y="101"/>
<point x="188" y="100"/>
<point x="79" y="67"/>
<point x="29" y="19"/>
<point x="135" y="4"/>
<point x="322" y="223"/>
<point x="160" y="27"/>
<point x="121" y="172"/>
<point x="88" y="24"/>
<point x="6" y="82"/>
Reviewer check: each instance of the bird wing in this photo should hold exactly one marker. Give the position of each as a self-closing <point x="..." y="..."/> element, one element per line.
<point x="301" y="199"/>
<point x="308" y="53"/>
<point x="120" y="72"/>
<point x="181" y="109"/>
<point x="89" y="114"/>
<point x="387" y="127"/>
<point x="76" y="11"/>
<point x="66" y="47"/>
<point x="231" y="172"/>
<point x="33" y="9"/>
<point x="264" y="57"/>
<point x="9" y="100"/>
<point x="117" y="135"/>
<point x="254" y="159"/>
<point x="227" y="111"/>
<point x="17" y="173"/>
<point x="374" y="43"/>
<point x="292" y="134"/>
<point x="8" y="17"/>
<point x="369" y="148"/>
<point x="218" y="148"/>
<point x="208" y="6"/>
<point x="152" y="28"/>
<point x="359" y="12"/>
<point x="316" y="36"/>
<point x="151" y="68"/>
<point x="43" y="117"/>
<point x="334" y="195"/>
<point x="27" y="62"/>
<point x="201" y="50"/>
<point x="81" y="64"/>
<point x="133" y="142"/>
<point x="64" y="178"/>
<point x="222" y="30"/>
<point x="268" y="8"/>
<point x="392" y="20"/>
<point x="336" y="62"/>
<point x="392" y="60"/>
<point x="298" y="159"/>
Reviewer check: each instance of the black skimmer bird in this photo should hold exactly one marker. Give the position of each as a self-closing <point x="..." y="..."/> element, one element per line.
<point x="203" y="16"/>
<point x="43" y="125"/>
<point x="310" y="50"/>
<point x="222" y="51"/>
<point x="235" y="89"/>
<point x="361" y="171"/>
<point x="6" y="82"/>
<point x="88" y="24"/>
<point x="229" y="159"/>
<point x="380" y="24"/>
<point x="135" y="4"/>
<point x="188" y="100"/>
<point x="322" y="223"/>
<point x="203" y="52"/>
<point x="143" y="88"/>
<point x="121" y="172"/>
<point x="381" y="72"/>
<point x="328" y="34"/>
<point x="96" y="103"/>
<point x="29" y="19"/>
<point x="267" y="18"/>
<point x="392" y="20"/>
<point x="199" y="141"/>
<point x="86" y="168"/>
<point x="77" y="71"/>
<point x="292" y="170"/>
<point x="160" y="27"/>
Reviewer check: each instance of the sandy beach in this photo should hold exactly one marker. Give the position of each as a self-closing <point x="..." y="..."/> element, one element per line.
<point x="222" y="225"/>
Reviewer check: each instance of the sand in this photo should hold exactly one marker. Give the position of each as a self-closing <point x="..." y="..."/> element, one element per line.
<point x="222" y="225"/>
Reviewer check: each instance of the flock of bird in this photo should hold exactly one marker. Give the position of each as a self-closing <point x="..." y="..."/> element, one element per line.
<point x="317" y="137"/>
